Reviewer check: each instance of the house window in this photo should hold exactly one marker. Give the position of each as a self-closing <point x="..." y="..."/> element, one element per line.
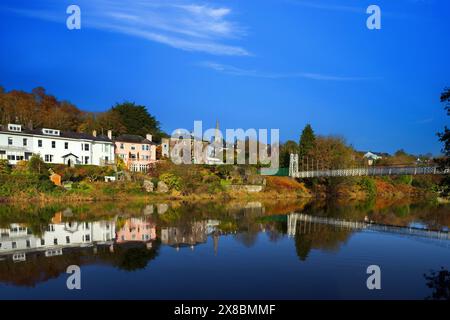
<point x="67" y="239"/>
<point x="106" y="159"/>
<point x="28" y="244"/>
<point x="66" y="145"/>
<point x="133" y="148"/>
<point x="11" y="157"/>
<point x="87" y="238"/>
<point x="25" y="142"/>
<point x="86" y="147"/>
<point x="48" y="158"/>
<point x="121" y="146"/>
<point x="55" y="241"/>
<point x="42" y="242"/>
<point x="10" y="141"/>
<point x="40" y="143"/>
<point x="53" y="144"/>
<point x="86" y="160"/>
<point x="14" y="245"/>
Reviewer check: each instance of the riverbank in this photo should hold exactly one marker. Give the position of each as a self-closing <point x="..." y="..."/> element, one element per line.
<point x="275" y="188"/>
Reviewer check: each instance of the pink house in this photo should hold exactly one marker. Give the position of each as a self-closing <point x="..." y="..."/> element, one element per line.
<point x="136" y="151"/>
<point x="137" y="229"/>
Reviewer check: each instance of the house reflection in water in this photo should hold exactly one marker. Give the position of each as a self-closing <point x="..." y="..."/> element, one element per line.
<point x="18" y="240"/>
<point x="137" y="229"/>
<point x="187" y="235"/>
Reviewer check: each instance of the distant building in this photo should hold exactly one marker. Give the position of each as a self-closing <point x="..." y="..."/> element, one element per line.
<point x="137" y="152"/>
<point x="209" y="152"/>
<point x="55" y="146"/>
<point x="371" y="157"/>
<point x="183" y="141"/>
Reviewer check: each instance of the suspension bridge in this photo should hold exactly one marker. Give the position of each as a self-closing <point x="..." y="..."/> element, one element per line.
<point x="313" y="171"/>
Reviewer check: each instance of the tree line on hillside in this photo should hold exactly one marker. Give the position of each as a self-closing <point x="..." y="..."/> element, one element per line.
<point x="323" y="152"/>
<point x="38" y="109"/>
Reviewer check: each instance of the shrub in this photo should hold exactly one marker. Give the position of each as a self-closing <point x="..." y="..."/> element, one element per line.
<point x="172" y="181"/>
<point x="28" y="183"/>
<point x="21" y="167"/>
<point x="404" y="179"/>
<point x="4" y="167"/>
<point x="368" y="185"/>
<point x="284" y="183"/>
<point x="425" y="182"/>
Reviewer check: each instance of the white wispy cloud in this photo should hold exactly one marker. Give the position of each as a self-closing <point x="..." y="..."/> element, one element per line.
<point x="235" y="71"/>
<point x="203" y="27"/>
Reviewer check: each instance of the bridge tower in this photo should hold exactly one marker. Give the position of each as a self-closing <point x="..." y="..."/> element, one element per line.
<point x="292" y="220"/>
<point x="293" y="165"/>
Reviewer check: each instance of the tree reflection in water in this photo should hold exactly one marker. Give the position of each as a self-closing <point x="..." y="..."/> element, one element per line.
<point x="439" y="282"/>
<point x="321" y="237"/>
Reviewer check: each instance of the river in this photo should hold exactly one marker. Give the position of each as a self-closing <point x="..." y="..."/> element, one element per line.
<point x="215" y="250"/>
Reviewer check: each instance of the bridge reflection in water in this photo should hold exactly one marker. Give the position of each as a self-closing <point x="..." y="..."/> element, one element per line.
<point x="303" y="223"/>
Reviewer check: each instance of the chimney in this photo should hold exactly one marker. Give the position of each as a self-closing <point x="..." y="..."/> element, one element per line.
<point x="110" y="134"/>
<point x="149" y="137"/>
<point x="94" y="133"/>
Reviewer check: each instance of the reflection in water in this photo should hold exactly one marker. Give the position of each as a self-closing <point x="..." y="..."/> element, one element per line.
<point x="36" y="246"/>
<point x="439" y="282"/>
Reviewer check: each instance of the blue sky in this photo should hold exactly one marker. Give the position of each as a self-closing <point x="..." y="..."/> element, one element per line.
<point x="249" y="64"/>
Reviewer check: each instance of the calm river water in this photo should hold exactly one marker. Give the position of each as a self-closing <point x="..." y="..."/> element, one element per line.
<point x="225" y="251"/>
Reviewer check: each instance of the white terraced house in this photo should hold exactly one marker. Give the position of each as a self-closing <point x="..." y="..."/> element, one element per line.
<point x="55" y="146"/>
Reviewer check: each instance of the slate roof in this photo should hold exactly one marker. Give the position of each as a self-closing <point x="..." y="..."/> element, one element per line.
<point x="63" y="134"/>
<point x="132" y="138"/>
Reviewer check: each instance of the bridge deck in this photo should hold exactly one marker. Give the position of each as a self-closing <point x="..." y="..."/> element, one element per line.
<point x="369" y="171"/>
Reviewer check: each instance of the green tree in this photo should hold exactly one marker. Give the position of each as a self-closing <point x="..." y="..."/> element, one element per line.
<point x="307" y="141"/>
<point x="37" y="165"/>
<point x="285" y="151"/>
<point x="445" y="135"/>
<point x="137" y="120"/>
